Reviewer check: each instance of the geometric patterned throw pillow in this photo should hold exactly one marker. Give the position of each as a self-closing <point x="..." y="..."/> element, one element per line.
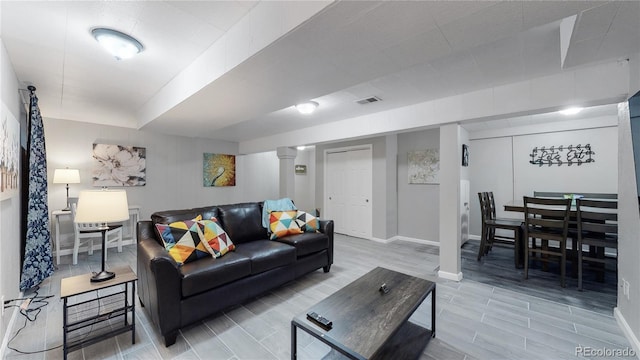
<point x="182" y="241"/>
<point x="283" y="223"/>
<point x="213" y="234"/>
<point x="307" y="222"/>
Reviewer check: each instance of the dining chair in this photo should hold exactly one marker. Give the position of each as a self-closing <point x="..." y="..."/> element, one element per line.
<point x="88" y="232"/>
<point x="598" y="229"/>
<point x="546" y="220"/>
<point x="490" y="223"/>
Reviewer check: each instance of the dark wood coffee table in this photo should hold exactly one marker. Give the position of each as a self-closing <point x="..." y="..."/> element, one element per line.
<point x="370" y="324"/>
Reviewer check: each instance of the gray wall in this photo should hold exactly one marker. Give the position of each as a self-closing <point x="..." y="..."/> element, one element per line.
<point x="418" y="204"/>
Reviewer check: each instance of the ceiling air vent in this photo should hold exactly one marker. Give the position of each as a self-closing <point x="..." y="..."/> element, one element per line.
<point x="369" y="100"/>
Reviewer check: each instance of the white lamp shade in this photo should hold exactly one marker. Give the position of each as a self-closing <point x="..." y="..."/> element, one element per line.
<point x="102" y="206"/>
<point x="66" y="176"/>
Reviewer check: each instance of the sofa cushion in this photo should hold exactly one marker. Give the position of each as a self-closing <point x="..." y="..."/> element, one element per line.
<point x="307" y="222"/>
<point x="306" y="243"/>
<point x="182" y="240"/>
<point x="283" y="223"/>
<point x="206" y="274"/>
<point x="243" y="222"/>
<point x="266" y="255"/>
<point x="212" y="233"/>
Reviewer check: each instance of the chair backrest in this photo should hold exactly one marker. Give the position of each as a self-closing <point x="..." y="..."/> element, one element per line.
<point x="492" y="205"/>
<point x="547" y="218"/>
<point x="549" y="194"/>
<point x="484" y="206"/>
<point x="597" y="217"/>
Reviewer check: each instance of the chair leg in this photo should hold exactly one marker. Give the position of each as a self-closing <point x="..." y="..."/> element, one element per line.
<point x="90" y="242"/>
<point x="120" y="240"/>
<point x="579" y="266"/>
<point x="76" y="247"/>
<point x="490" y="238"/>
<point x="517" y="248"/>
<point x="526" y="257"/>
<point x="563" y="264"/>
<point x="483" y="241"/>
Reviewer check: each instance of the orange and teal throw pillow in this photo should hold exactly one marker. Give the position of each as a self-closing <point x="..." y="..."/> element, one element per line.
<point x="214" y="235"/>
<point x="307" y="222"/>
<point x="283" y="223"/>
<point x="182" y="241"/>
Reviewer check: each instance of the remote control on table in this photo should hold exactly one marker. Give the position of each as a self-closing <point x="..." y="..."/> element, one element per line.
<point x="319" y="320"/>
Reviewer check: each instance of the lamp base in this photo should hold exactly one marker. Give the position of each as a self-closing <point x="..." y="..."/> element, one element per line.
<point x="103" y="276"/>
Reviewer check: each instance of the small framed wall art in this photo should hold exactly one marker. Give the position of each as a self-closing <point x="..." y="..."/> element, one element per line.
<point x="465" y="155"/>
<point x="219" y="170"/>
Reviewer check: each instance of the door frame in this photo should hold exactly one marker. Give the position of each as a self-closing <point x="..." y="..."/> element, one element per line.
<point x="325" y="167"/>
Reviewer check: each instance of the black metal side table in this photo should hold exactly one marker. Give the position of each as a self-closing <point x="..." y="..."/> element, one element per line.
<point x="90" y="319"/>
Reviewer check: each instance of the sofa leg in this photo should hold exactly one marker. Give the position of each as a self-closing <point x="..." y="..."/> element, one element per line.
<point x="326" y="268"/>
<point x="170" y="338"/>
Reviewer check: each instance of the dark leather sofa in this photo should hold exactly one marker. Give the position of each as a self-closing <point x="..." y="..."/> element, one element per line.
<point x="175" y="296"/>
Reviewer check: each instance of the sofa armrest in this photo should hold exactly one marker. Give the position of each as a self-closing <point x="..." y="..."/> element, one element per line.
<point x="326" y="227"/>
<point x="159" y="281"/>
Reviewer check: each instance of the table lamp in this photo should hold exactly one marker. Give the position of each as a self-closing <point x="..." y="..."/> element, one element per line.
<point x="66" y="176"/>
<point x="102" y="206"/>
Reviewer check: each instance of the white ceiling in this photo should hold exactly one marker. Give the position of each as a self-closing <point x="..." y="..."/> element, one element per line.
<point x="402" y="52"/>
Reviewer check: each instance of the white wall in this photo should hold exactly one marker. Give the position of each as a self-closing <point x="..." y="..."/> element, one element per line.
<point x="501" y="164"/>
<point x="305" y="184"/>
<point x="174" y="168"/>
<point x="9" y="208"/>
<point x="418" y="204"/>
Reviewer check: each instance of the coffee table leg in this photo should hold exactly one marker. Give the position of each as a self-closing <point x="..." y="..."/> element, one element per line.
<point x="294" y="346"/>
<point x="433" y="312"/>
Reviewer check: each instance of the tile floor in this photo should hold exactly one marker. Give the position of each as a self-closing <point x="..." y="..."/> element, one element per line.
<point x="474" y="320"/>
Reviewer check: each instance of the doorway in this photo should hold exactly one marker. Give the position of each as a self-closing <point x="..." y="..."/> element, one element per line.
<point x="348" y="190"/>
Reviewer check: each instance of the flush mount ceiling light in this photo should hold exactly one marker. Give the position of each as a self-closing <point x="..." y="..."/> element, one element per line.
<point x="570" y="111"/>
<point x="118" y="44"/>
<point x="307" y="107"/>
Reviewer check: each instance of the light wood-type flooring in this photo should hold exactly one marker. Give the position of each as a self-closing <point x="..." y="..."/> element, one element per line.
<point x="477" y="318"/>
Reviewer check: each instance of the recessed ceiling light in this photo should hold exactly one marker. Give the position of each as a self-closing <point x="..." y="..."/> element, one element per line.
<point x="307" y="107"/>
<point x="570" y="111"/>
<point x="118" y="44"/>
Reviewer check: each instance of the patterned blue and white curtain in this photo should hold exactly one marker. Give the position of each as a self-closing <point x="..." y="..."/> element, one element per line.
<point x="38" y="256"/>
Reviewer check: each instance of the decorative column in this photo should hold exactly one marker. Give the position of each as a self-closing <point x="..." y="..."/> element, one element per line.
<point x="450" y="219"/>
<point x="287" y="158"/>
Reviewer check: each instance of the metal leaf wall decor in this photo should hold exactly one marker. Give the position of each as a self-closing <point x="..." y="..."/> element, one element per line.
<point x="558" y="155"/>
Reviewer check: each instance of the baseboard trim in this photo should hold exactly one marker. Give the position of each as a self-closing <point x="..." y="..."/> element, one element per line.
<point x="414" y="240"/>
<point x="626" y="330"/>
<point x="450" y="276"/>
<point x="383" y="241"/>
<point x="474" y="237"/>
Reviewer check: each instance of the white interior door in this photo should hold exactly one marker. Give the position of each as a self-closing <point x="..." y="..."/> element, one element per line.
<point x="359" y="186"/>
<point x="335" y="190"/>
<point x="349" y="191"/>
